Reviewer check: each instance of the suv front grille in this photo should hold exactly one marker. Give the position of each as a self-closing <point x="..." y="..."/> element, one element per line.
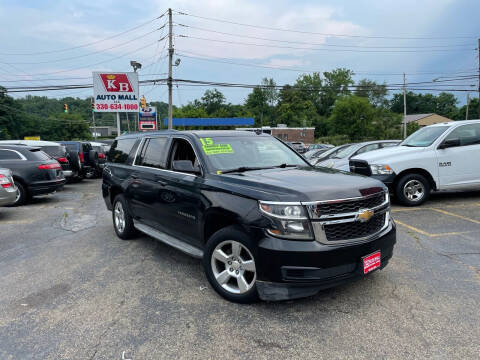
<point x="354" y="229"/>
<point x="350" y="205"/>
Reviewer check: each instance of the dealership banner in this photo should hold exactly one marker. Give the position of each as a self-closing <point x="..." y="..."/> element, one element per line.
<point x="115" y="92"/>
<point x="147" y="118"/>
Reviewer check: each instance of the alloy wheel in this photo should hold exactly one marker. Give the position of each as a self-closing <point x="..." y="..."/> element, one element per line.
<point x="233" y="267"/>
<point x="119" y="216"/>
<point x="414" y="190"/>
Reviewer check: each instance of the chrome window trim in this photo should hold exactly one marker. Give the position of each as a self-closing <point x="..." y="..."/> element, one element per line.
<point x="166" y="170"/>
<point x="22" y="157"/>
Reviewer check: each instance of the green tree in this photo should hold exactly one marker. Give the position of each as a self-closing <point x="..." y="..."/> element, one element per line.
<point x="212" y="101"/>
<point x="352" y="116"/>
<point x="444" y="104"/>
<point x="375" y="93"/>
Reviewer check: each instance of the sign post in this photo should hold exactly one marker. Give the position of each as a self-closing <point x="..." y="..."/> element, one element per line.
<point x="115" y="92"/>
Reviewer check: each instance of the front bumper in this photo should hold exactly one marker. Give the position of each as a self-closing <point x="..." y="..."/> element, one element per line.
<point x="294" y="269"/>
<point x="386" y="179"/>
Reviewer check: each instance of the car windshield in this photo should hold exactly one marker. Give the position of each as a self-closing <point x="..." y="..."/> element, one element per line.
<point x="424" y="137"/>
<point x="249" y="152"/>
<point x="345" y="152"/>
<point x="54" y="151"/>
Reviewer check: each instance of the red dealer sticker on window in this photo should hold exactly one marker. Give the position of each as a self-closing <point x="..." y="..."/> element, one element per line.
<point x="116" y="82"/>
<point x="371" y="262"/>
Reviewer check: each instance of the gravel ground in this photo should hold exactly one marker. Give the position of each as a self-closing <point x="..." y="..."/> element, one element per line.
<point x="70" y="289"/>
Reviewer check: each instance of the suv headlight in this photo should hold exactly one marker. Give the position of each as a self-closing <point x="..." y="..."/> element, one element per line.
<point x="289" y="221"/>
<point x="381" y="169"/>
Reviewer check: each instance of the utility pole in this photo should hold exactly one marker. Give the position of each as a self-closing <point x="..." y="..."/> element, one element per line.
<point x="118" y="124"/>
<point x="478" y="117"/>
<point x="170" y="58"/>
<point x="468" y="104"/>
<point x="404" y="108"/>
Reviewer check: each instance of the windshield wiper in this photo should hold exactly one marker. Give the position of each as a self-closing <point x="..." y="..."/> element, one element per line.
<point x="408" y="145"/>
<point x="243" y="169"/>
<point x="286" y="165"/>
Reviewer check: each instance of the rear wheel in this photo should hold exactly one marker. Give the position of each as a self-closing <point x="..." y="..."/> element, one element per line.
<point x="22" y="195"/>
<point x="122" y="220"/>
<point x="229" y="263"/>
<point x="412" y="190"/>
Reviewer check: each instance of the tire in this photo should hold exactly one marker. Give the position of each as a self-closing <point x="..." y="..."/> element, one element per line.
<point x="124" y="229"/>
<point x="232" y="273"/>
<point x="22" y="195"/>
<point x="93" y="158"/>
<point x="412" y="190"/>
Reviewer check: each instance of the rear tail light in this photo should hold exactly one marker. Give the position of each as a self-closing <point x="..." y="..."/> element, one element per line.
<point x="62" y="159"/>
<point x="52" y="166"/>
<point x="81" y="157"/>
<point x="101" y="156"/>
<point x="5" y="182"/>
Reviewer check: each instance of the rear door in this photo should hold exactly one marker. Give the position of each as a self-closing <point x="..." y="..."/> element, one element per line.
<point x="146" y="187"/>
<point x="459" y="166"/>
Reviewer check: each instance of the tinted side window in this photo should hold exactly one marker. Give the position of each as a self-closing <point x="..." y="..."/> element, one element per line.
<point x="467" y="134"/>
<point x="37" y="154"/>
<point x="9" y="155"/>
<point x="154" y="155"/>
<point x="120" y="150"/>
<point x="55" y="151"/>
<point x="71" y="147"/>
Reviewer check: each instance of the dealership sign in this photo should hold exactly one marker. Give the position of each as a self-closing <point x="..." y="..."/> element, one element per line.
<point x="115" y="92"/>
<point x="147" y="118"/>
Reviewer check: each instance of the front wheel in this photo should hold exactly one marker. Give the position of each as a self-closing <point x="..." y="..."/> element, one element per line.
<point x="412" y="190"/>
<point x="229" y="263"/>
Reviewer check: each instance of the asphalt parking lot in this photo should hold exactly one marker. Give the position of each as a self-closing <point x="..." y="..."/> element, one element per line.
<point x="70" y="289"/>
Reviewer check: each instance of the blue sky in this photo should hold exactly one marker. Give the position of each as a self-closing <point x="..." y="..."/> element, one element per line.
<point x="48" y="26"/>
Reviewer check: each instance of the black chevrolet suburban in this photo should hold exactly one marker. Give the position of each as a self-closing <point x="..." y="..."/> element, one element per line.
<point x="265" y="222"/>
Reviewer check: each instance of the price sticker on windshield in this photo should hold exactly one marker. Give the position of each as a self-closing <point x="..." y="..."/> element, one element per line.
<point x="210" y="148"/>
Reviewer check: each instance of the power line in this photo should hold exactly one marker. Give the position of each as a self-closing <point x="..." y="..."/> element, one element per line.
<point x="223" y="61"/>
<point x="87" y="44"/>
<point x="319" y="49"/>
<point x="84" y="55"/>
<point x="324" y="44"/>
<point x="325" y="34"/>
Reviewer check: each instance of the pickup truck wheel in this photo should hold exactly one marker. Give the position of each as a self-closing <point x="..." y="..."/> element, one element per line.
<point x="229" y="263"/>
<point x="412" y="190"/>
<point x="122" y="220"/>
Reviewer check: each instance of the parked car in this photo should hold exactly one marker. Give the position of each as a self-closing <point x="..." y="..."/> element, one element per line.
<point x="437" y="157"/>
<point x="101" y="149"/>
<point x="328" y="154"/>
<point x="319" y="146"/>
<point x="8" y="190"/>
<point x="265" y="222"/>
<point x="55" y="150"/>
<point x="83" y="158"/>
<point x="340" y="160"/>
<point x="314" y="154"/>
<point x="34" y="172"/>
<point x="298" y="146"/>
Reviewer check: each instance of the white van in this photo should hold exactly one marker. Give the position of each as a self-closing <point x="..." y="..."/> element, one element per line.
<point x="443" y="156"/>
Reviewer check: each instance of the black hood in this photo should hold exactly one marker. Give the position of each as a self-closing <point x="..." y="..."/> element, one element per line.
<point x="299" y="184"/>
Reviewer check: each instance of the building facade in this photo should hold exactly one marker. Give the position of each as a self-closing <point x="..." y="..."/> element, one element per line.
<point x="303" y="134"/>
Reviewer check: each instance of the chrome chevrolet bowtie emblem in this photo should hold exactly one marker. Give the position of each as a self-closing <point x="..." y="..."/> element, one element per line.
<point x="364" y="215"/>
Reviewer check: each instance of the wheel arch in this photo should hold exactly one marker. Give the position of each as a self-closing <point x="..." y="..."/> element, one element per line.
<point x="216" y="219"/>
<point x="418" y="171"/>
<point x="114" y="191"/>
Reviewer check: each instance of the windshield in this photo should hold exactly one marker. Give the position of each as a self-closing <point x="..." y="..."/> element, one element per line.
<point x="424" y="137"/>
<point x="231" y="152"/>
<point x="345" y="152"/>
<point x="54" y="151"/>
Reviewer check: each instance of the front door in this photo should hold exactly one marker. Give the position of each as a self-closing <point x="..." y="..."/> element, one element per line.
<point x="459" y="166"/>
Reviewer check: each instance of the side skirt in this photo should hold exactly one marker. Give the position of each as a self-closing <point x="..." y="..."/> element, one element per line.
<point x="169" y="240"/>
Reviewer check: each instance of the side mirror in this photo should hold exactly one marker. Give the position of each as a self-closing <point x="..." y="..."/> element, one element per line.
<point x="449" y="143"/>
<point x="185" y="166"/>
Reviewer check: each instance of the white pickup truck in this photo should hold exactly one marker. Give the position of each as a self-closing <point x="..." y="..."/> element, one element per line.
<point x="443" y="156"/>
